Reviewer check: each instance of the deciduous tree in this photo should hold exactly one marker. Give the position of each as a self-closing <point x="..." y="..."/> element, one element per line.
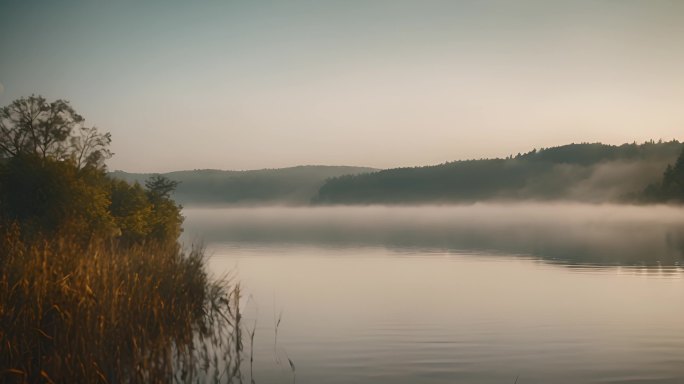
<point x="33" y="126"/>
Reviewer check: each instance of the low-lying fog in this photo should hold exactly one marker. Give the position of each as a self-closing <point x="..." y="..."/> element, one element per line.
<point x="582" y="233"/>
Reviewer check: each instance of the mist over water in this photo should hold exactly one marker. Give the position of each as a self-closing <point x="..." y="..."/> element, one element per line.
<point x="570" y="232"/>
<point x="478" y="294"/>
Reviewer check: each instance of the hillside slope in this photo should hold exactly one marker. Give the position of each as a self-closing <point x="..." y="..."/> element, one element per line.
<point x="295" y="185"/>
<point x="578" y="172"/>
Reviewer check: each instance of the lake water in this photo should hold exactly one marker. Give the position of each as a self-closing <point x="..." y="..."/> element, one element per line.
<point x="457" y="294"/>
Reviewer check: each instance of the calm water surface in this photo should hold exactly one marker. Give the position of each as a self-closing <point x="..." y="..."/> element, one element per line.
<point x="362" y="297"/>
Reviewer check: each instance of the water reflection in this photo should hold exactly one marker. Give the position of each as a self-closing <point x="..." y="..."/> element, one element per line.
<point x="577" y="234"/>
<point x="372" y="315"/>
<point x="474" y="294"/>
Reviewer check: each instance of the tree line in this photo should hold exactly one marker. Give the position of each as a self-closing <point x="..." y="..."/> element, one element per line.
<point x="590" y="172"/>
<point x="292" y="186"/>
<point x="671" y="187"/>
<point x="53" y="177"/>
<point x="94" y="285"/>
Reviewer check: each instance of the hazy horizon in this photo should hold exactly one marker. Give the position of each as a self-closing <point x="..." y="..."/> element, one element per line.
<point x="240" y="85"/>
<point x="354" y="166"/>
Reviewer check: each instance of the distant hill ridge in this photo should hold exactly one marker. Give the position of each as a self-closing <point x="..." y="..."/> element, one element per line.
<point x="293" y="185"/>
<point x="587" y="172"/>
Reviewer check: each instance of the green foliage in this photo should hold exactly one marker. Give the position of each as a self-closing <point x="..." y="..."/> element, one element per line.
<point x="671" y="188"/>
<point x="52" y="176"/>
<point x="673" y="180"/>
<point x="160" y="187"/>
<point x="93" y="284"/>
<point x="45" y="194"/>
<point x="165" y="217"/>
<point x="131" y="211"/>
<point x="145" y="214"/>
<point x="584" y="172"/>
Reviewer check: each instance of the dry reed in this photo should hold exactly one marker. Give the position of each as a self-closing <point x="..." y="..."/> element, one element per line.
<point x="99" y="313"/>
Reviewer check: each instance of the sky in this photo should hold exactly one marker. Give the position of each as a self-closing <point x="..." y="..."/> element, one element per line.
<point x="269" y="84"/>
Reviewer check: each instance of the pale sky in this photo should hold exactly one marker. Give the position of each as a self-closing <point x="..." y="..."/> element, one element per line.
<point x="256" y="84"/>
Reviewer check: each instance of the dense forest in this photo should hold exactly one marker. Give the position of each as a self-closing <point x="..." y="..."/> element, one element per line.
<point x="671" y="187"/>
<point x="94" y="286"/>
<point x="53" y="179"/>
<point x="295" y="185"/>
<point x="588" y="172"/>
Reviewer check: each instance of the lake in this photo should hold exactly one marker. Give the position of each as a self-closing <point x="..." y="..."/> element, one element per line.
<point x="486" y="293"/>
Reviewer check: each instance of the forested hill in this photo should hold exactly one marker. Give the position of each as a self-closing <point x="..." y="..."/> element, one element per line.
<point x="295" y="185"/>
<point x="578" y="172"/>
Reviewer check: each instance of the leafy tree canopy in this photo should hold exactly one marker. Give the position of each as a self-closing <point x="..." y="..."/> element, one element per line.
<point x="33" y="126"/>
<point x="52" y="178"/>
<point x="160" y="186"/>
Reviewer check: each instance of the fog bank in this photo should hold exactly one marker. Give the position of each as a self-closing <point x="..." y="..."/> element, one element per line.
<point x="584" y="233"/>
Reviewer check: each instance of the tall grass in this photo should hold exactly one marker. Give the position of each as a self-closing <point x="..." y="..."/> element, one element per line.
<point x="98" y="313"/>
